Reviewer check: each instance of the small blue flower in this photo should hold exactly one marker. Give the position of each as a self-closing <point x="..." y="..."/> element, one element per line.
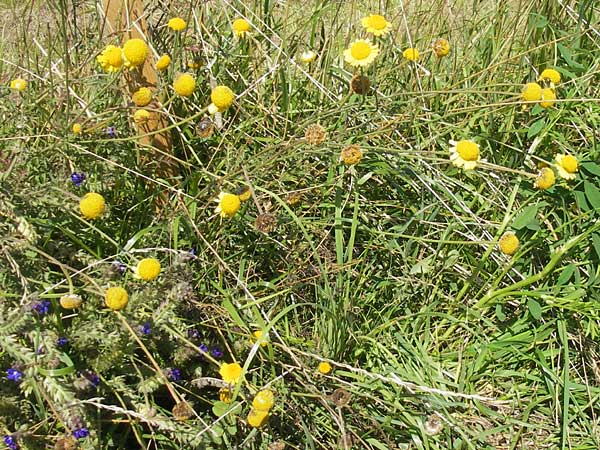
<point x="93" y="378"/>
<point x="81" y="433"/>
<point x="77" y="178"/>
<point x="62" y="341"/>
<point x="14" y="374"/>
<point x="216" y="352"/>
<point x="145" y="329"/>
<point x="42" y="307"/>
<point x="119" y="267"/>
<point x="193" y="333"/>
<point x="10" y="441"/>
<point x="111" y="132"/>
<point x="174" y="374"/>
<point x="203" y="348"/>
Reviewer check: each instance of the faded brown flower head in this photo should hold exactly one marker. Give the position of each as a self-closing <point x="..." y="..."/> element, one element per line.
<point x="351" y="155"/>
<point x="346" y="441"/>
<point x="293" y="198"/>
<point x="66" y="443"/>
<point x="360" y="84"/>
<point x="433" y="425"/>
<point x="182" y="411"/>
<point x="315" y="134"/>
<point x="205" y="128"/>
<point x="277" y="445"/>
<point x="265" y="222"/>
<point x="340" y="397"/>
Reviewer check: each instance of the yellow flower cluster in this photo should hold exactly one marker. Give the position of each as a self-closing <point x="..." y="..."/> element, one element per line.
<point x="546" y="96"/>
<point x="147" y="269"/>
<point x="92" y="205"/>
<point x="261" y="406"/>
<point x="142" y="97"/>
<point x="116" y="298"/>
<point x="111" y="58"/>
<point x="509" y="243"/>
<point x="18" y="84"/>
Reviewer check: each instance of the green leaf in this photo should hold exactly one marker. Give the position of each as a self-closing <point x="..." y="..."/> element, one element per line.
<point x="500" y="313"/>
<point x="536" y="127"/>
<point x="362" y="180"/>
<point x="221" y="408"/>
<point x="537" y="20"/>
<point x="591" y="167"/>
<point x="566" y="274"/>
<point x="592" y="194"/>
<point x="534" y="309"/>
<point x="527" y="216"/>
<point x="581" y="201"/>
<point x="596" y="243"/>
<point x="565" y="52"/>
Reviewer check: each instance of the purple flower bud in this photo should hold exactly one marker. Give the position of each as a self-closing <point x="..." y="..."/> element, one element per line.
<point x="14" y="374"/>
<point x="62" y="341"/>
<point x="216" y="352"/>
<point x="111" y="132"/>
<point x="145" y="329"/>
<point x="174" y="374"/>
<point x="42" y="307"/>
<point x="81" y="433"/>
<point x="77" y="178"/>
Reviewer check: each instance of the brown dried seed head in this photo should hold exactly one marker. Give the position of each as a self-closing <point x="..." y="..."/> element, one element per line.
<point x="360" y="84"/>
<point x="265" y="222"/>
<point x="340" y="397"/>
<point x="351" y="155"/>
<point x="315" y="134"/>
<point x="182" y="411"/>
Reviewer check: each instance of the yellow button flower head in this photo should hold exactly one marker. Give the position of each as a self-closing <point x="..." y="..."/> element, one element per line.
<point x="244" y="193"/>
<point x="147" y="269"/>
<point x="177" y="24"/>
<point x="135" y="51"/>
<point x="184" y="84"/>
<point x="376" y="24"/>
<point x="222" y="97"/>
<point x="142" y="97"/>
<point x="508" y="243"/>
<point x="351" y="155"/>
<point x="548" y="98"/>
<point x="567" y="166"/>
<point x="361" y="53"/>
<point x="163" y="62"/>
<point x="116" y="298"/>
<point x="324" y="367"/>
<point x="141" y="116"/>
<point x="465" y="154"/>
<point x="240" y="27"/>
<point x="412" y="54"/>
<point x="257" y="418"/>
<point x="545" y="178"/>
<point x="225" y="395"/>
<point x="71" y="301"/>
<point x="532" y="92"/>
<point x="308" y="57"/>
<point x="77" y="128"/>
<point x="111" y="58"/>
<point x="441" y="47"/>
<point x="230" y="373"/>
<point x="228" y="204"/>
<point x="551" y="76"/>
<point x="18" y="84"/>
<point x="92" y="205"/>
<point x="257" y="335"/>
<point x="263" y="400"/>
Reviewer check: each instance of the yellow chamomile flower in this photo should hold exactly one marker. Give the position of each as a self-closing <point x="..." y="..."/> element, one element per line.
<point x="308" y="57"/>
<point x="163" y="62"/>
<point x="532" y="92"/>
<point x="465" y="154"/>
<point x="548" y="98"/>
<point x="257" y="335"/>
<point x="228" y="204"/>
<point x="70" y="301"/>
<point x="567" y="166"/>
<point x="508" y="243"/>
<point x="116" y="298"/>
<point x="184" y="84"/>
<point x="230" y="373"/>
<point x="351" y="155"/>
<point x="376" y="24"/>
<point x="111" y="58"/>
<point x="545" y="179"/>
<point x="222" y="98"/>
<point x="225" y="395"/>
<point x="550" y="75"/>
<point x="92" y="205"/>
<point x="147" y="269"/>
<point x="77" y="128"/>
<point x="135" y="51"/>
<point x="263" y="400"/>
<point x="257" y="418"/>
<point x="441" y="47"/>
<point x="18" y="84"/>
<point x="324" y="367"/>
<point x="240" y="27"/>
<point x="142" y="97"/>
<point x="177" y="24"/>
<point x="361" y="53"/>
<point x="141" y="116"/>
<point x="412" y="54"/>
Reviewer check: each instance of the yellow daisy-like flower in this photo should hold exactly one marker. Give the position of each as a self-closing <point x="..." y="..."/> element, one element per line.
<point x="230" y="373"/>
<point x="324" y="367"/>
<point x="92" y="205"/>
<point x="116" y="298"/>
<point x="545" y="179"/>
<point x="263" y="400"/>
<point x="111" y="58"/>
<point x="228" y="204"/>
<point x="184" y="84"/>
<point x="257" y="418"/>
<point x="18" y="84"/>
<point x="508" y="243"/>
<point x="567" y="166"/>
<point x="225" y="395"/>
<point x="163" y="62"/>
<point x="177" y="24"/>
<point x="412" y="54"/>
<point x="548" y="98"/>
<point x="77" y="128"/>
<point x="142" y="97"/>
<point x="71" y="301"/>
<point x="240" y="27"/>
<point x="532" y="92"/>
<point x="222" y="97"/>
<point x="147" y="269"/>
<point x="308" y="57"/>
<point x="361" y="53"/>
<point x="351" y="155"/>
<point x="135" y="51"/>
<point x="141" y="116"/>
<point x="441" y="47"/>
<point x="376" y="24"/>
<point x="550" y="75"/>
<point x="257" y="335"/>
<point x="465" y="154"/>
